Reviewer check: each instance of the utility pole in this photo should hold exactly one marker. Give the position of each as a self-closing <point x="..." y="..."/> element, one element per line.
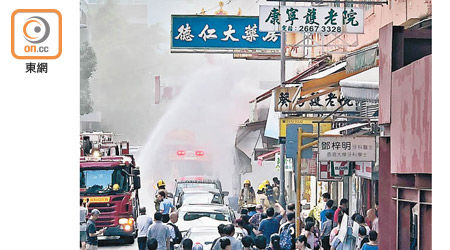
<point x="282" y="199"/>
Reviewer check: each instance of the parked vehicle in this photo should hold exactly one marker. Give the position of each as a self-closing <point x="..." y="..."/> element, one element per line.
<point x="206" y="182"/>
<point x="204" y="215"/>
<point x="203" y="234"/>
<point x="109" y="179"/>
<point x="199" y="196"/>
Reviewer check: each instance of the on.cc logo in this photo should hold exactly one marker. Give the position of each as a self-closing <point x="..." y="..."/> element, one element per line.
<point x="36" y="34"/>
<point x="40" y="28"/>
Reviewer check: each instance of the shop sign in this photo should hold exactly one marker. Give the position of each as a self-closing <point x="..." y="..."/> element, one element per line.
<point x="340" y="168"/>
<point x="325" y="173"/>
<point x="309" y="166"/>
<point x="220" y="33"/>
<point x="288" y="164"/>
<point x="347" y="148"/>
<point x="364" y="169"/>
<point x="286" y="100"/>
<point x="284" y="122"/>
<point x="311" y="19"/>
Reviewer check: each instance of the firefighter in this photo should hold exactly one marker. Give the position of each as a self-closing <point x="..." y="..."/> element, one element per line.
<point x="269" y="192"/>
<point x="247" y="194"/>
<point x="261" y="197"/>
<point x="161" y="186"/>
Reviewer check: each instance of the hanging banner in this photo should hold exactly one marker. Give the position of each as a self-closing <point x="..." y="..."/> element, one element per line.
<point x="220" y="33"/>
<point x="347" y="148"/>
<point x="309" y="166"/>
<point x="324" y="172"/>
<point x="364" y="169"/>
<point x="340" y="168"/>
<point x="286" y="101"/>
<point x="311" y="19"/>
<point x="288" y="164"/>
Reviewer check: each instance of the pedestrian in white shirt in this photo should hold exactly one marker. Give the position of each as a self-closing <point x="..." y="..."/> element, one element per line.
<point x="143" y="222"/>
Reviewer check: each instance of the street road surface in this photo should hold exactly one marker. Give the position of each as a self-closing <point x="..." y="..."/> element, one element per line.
<point x="114" y="244"/>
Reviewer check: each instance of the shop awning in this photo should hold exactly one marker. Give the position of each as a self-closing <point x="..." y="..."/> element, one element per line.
<point x="337" y="131"/>
<point x="363" y="86"/>
<point x="336" y="68"/>
<point x="317" y="65"/>
<point x="267" y="156"/>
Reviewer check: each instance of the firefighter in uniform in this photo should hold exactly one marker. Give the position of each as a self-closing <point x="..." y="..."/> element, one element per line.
<point x="161" y="186"/>
<point x="261" y="197"/>
<point x="269" y="192"/>
<point x="247" y="195"/>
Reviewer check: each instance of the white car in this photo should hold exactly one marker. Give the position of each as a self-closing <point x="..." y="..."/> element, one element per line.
<point x="202" y="234"/>
<point x="211" y="215"/>
<point x="199" y="196"/>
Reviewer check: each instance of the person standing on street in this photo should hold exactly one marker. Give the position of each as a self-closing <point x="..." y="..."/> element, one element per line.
<point x="247" y="195"/>
<point x="225" y="244"/>
<point x="372" y="245"/>
<point x="165" y="206"/>
<point x="287" y="232"/>
<point x="197" y="246"/>
<point x="229" y="232"/>
<point x="260" y="242"/>
<point x="143" y="222"/>
<point x="335" y="230"/>
<point x="362" y="238"/>
<point x="91" y="233"/>
<point x="247" y="242"/>
<point x="276" y="188"/>
<point x="220" y="230"/>
<point x="160" y="232"/>
<point x="325" y="230"/>
<point x="256" y="218"/>
<point x="175" y="234"/>
<point x="83" y="215"/>
<point x="323" y="214"/>
<point x="371" y="215"/>
<point x="301" y="243"/>
<point x="343" y="205"/>
<point x="261" y="197"/>
<point x="161" y="186"/>
<point x="269" y="192"/>
<point x="325" y="197"/>
<point x="290" y="208"/>
<point x="274" y="242"/>
<point x="311" y="235"/>
<point x="360" y="220"/>
<point x="271" y="225"/>
<point x="187" y="244"/>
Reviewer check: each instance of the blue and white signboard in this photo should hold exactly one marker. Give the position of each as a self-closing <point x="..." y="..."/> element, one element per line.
<point x="220" y="33"/>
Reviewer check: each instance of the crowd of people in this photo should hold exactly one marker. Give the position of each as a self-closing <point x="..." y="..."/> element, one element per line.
<point x="269" y="226"/>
